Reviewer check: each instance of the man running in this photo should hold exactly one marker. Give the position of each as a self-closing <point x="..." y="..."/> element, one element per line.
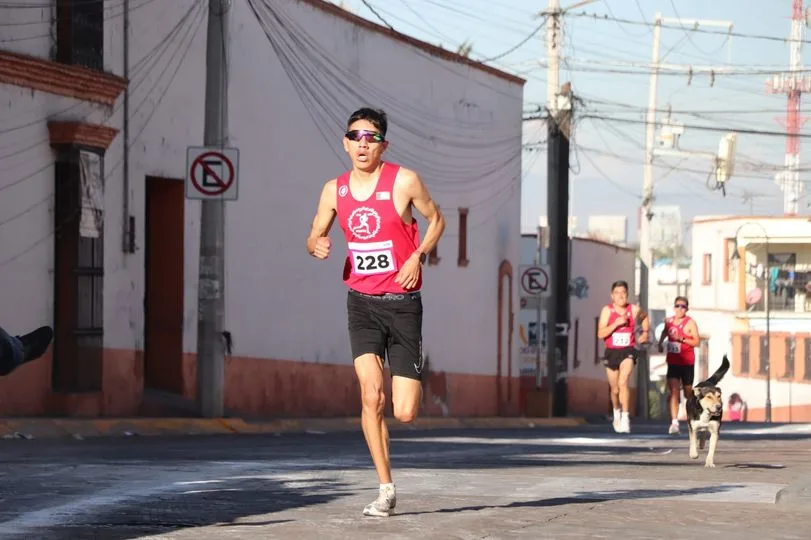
<point x="617" y="327"/>
<point x="18" y="350"/>
<point x="681" y="332"/>
<point x="373" y="203"/>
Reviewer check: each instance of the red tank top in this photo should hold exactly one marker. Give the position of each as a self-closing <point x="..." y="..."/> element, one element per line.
<point x="623" y="336"/>
<point x="378" y="241"/>
<point x="678" y="354"/>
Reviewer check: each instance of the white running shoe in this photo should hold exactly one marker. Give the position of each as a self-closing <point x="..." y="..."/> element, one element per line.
<point x="625" y="425"/>
<point x="673" y="429"/>
<point x="384" y="505"/>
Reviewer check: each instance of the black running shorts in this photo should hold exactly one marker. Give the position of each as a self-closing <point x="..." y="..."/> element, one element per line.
<point x="685" y="374"/>
<point x="614" y="357"/>
<point x="390" y="326"/>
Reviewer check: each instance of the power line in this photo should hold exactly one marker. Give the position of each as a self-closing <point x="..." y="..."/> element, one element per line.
<point x="745" y="131"/>
<point x="598" y="17"/>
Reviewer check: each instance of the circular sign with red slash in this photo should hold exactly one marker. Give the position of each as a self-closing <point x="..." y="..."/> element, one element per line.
<point x="212" y="173"/>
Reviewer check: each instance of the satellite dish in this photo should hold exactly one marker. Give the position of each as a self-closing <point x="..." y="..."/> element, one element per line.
<point x="754" y="296"/>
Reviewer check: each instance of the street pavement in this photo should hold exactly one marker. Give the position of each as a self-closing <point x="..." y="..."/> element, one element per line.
<point x="583" y="482"/>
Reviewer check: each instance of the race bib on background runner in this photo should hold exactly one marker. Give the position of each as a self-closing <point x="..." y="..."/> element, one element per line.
<point x="372" y="257"/>
<point x="621" y="340"/>
<point x="673" y="347"/>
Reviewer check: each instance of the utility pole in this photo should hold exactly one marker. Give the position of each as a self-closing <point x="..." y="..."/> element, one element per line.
<point x="541" y="258"/>
<point x="646" y="209"/>
<point x="559" y="112"/>
<point x="793" y="85"/>
<point x="557" y="311"/>
<point x="645" y="217"/>
<point x="211" y="302"/>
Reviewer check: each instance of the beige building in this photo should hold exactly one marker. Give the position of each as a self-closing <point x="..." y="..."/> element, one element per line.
<point x="751" y="298"/>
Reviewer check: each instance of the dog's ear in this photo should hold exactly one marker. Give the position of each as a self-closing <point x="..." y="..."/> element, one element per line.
<point x="697" y="392"/>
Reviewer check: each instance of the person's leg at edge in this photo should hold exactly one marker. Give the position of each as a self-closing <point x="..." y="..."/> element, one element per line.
<point x="18" y="350"/>
<point x="11" y="352"/>
<point x="626" y="367"/>
<point x="674" y="397"/>
<point x="613" y="375"/>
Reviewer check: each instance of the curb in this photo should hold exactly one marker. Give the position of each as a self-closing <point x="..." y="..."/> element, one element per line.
<point x="51" y="428"/>
<point x="796" y="496"/>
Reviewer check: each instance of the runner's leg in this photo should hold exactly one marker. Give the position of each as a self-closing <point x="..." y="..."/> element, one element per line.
<point x="626" y="367"/>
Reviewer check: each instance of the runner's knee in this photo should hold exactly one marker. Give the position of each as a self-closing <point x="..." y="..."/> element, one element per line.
<point x="405" y="413"/>
<point x="372" y="396"/>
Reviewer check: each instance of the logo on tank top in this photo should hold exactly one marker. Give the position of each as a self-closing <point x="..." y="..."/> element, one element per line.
<point x="343" y="190"/>
<point x="364" y="222"/>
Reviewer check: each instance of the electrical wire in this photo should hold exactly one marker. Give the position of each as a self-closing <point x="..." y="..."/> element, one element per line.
<point x="108" y="172"/>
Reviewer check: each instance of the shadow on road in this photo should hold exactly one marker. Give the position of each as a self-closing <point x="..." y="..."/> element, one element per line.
<point x="595" y="497"/>
<point x="224" y="502"/>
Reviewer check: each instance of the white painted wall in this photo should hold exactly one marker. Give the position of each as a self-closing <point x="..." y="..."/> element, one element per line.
<point x="662" y="290"/>
<point x="457" y="126"/>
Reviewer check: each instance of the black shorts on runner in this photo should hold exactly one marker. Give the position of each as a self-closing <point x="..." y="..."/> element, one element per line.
<point x="614" y="357"/>
<point x="388" y="325"/>
<point x="685" y="374"/>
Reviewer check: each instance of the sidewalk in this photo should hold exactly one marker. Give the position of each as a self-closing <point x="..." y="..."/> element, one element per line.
<point x="48" y="428"/>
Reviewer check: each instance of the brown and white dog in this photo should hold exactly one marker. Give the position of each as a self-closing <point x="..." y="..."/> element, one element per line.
<point x="704" y="411"/>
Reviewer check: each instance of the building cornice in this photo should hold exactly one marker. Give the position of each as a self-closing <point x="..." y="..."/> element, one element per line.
<point x="80" y="133"/>
<point x="60" y="79"/>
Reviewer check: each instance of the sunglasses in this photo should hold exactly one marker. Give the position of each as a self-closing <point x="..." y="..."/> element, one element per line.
<point x="360" y="134"/>
<point x="680" y="306"/>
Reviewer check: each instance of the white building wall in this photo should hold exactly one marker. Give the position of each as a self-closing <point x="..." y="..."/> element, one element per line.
<point x="596" y="265"/>
<point x="459" y="127"/>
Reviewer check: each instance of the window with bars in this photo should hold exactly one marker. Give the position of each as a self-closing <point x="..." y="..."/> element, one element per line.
<point x="807" y="375"/>
<point x="80" y="33"/>
<point x="764" y="356"/>
<point x="791" y="344"/>
<point x="463" y="260"/>
<point x="79" y="271"/>
<point x="744" y="354"/>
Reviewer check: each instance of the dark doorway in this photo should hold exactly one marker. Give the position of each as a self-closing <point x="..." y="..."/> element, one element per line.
<point x="163" y="296"/>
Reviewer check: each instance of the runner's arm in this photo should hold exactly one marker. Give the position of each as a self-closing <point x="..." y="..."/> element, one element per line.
<point x="663" y="336"/>
<point x="418" y="193"/>
<point x="691" y="334"/>
<point x="603" y="328"/>
<point x="324" y="216"/>
<point x="642" y="318"/>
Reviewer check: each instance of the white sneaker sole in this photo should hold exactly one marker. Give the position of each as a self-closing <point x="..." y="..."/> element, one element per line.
<point x="374" y="512"/>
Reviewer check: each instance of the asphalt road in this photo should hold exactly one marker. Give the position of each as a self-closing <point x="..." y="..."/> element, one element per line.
<point x="533" y="483"/>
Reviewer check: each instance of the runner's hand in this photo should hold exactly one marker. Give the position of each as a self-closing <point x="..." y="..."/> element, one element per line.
<point x="661" y="348"/>
<point x="409" y="273"/>
<point x="321" y="247"/>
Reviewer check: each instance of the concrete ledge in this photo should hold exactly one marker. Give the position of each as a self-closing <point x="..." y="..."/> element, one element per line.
<point x="795" y="497"/>
<point x="48" y="428"/>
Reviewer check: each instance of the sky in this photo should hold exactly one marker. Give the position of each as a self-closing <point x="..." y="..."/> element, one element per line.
<point x="607" y="153"/>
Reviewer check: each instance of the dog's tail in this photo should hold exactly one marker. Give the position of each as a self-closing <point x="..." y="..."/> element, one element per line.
<point x="718" y="375"/>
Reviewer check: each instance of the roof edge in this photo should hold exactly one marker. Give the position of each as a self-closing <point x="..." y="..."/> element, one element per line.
<point x="434" y="50"/>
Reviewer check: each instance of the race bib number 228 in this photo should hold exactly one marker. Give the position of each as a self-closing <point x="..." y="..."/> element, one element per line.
<point x="372" y="261"/>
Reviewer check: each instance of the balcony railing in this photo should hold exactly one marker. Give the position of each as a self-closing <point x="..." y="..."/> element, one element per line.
<point x="788" y="286"/>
